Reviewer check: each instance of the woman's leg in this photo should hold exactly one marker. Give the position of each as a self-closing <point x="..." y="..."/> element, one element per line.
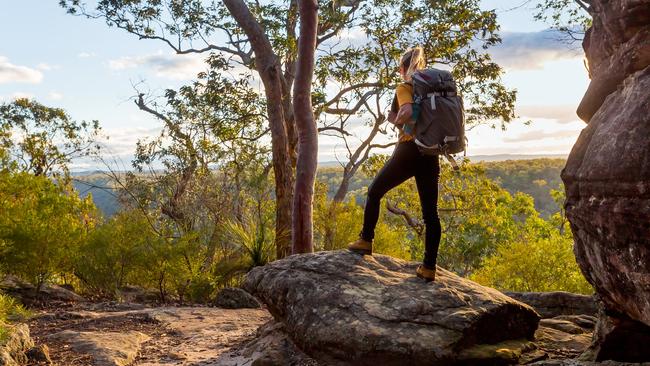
<point x="400" y="167"/>
<point x="426" y="178"/>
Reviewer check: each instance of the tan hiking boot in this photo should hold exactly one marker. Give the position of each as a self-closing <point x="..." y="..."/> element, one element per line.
<point x="361" y="246"/>
<point x="426" y="273"/>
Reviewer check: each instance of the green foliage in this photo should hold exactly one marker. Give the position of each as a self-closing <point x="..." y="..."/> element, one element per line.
<point x="42" y="225"/>
<point x="535" y="177"/>
<point x="337" y="224"/>
<point x="254" y="241"/>
<point x="42" y="140"/>
<point x="114" y="252"/>
<point x="10" y="311"/>
<point x="534" y="262"/>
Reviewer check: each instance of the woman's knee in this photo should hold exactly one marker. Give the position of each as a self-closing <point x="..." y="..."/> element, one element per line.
<point x="375" y="192"/>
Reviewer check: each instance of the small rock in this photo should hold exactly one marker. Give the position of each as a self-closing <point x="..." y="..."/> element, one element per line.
<point x="39" y="355"/>
<point x="563" y="325"/>
<point x="561" y="344"/>
<point x="106" y="348"/>
<point x="584" y="321"/>
<point x="235" y="298"/>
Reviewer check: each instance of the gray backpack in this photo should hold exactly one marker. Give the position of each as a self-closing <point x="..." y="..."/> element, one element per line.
<point x="438" y="112"/>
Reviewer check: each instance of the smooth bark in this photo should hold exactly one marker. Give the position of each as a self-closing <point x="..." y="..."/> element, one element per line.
<point x="268" y="66"/>
<point x="302" y="228"/>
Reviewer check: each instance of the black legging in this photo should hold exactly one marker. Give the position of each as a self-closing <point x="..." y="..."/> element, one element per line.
<point x="407" y="162"/>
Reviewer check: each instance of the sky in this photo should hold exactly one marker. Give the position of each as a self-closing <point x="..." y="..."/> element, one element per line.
<point x="92" y="71"/>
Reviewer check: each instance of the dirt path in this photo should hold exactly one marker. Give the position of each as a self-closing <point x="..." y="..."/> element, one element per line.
<point x="154" y="336"/>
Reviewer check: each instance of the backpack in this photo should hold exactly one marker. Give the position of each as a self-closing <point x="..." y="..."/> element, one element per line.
<point x="438" y="112"/>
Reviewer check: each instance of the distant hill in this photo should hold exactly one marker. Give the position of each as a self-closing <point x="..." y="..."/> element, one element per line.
<point x="534" y="176"/>
<point x="102" y="189"/>
<point x="478" y="158"/>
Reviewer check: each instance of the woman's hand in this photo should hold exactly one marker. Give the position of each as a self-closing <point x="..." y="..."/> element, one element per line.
<point x="404" y="114"/>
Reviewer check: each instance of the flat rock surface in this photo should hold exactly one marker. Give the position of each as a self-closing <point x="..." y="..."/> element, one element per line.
<point x="343" y="308"/>
<point x="159" y="336"/>
<point x="105" y="348"/>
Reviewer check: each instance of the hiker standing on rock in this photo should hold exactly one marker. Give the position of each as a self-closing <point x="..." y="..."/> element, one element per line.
<point x="407" y="161"/>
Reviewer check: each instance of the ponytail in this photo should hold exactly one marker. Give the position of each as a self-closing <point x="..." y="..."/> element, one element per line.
<point x="413" y="60"/>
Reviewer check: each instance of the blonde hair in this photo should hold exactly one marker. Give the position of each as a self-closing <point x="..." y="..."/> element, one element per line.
<point x="412" y="60"/>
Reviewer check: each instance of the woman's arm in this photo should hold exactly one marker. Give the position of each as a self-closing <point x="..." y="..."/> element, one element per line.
<point x="402" y="116"/>
<point x="404" y="99"/>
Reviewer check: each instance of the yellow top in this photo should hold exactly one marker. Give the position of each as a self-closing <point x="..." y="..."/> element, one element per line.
<point x="404" y="93"/>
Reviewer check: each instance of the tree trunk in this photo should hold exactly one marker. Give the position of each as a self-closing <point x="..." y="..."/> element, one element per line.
<point x="268" y="66"/>
<point x="306" y="127"/>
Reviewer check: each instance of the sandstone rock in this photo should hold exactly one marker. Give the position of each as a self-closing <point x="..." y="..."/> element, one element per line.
<point x="28" y="294"/>
<point x="235" y="298"/>
<point x="619" y="338"/>
<point x="106" y="348"/>
<point x="616" y="46"/>
<point x="13" y="347"/>
<point x="607" y="176"/>
<point x="608" y="199"/>
<point x="564" y="325"/>
<point x="39" y="355"/>
<point x="584" y="321"/>
<point x="346" y="309"/>
<point x="561" y="344"/>
<point x="271" y="347"/>
<point x="552" y="304"/>
<point x="138" y="295"/>
<point x="201" y="335"/>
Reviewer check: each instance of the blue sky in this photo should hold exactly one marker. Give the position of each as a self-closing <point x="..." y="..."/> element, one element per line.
<point x="90" y="70"/>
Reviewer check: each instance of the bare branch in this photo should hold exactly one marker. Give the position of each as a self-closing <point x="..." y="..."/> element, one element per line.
<point x="414" y="223"/>
<point x="340" y="130"/>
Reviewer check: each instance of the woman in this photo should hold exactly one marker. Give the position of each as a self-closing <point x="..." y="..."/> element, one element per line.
<point x="406" y="162"/>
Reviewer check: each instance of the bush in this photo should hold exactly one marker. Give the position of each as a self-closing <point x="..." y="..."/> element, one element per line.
<point x="42" y="225"/>
<point x="538" y="263"/>
<point x="10" y="311"/>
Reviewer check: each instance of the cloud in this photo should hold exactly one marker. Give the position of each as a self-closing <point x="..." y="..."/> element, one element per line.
<point x="10" y="73"/>
<point x="47" y="67"/>
<point x="530" y="50"/>
<point x="122" y="141"/>
<point x="86" y="54"/>
<point x="177" y="67"/>
<point x="54" y="95"/>
<point x="565" y="113"/>
<point x="542" y="135"/>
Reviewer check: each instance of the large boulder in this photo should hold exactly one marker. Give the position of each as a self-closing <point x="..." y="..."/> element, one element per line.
<point x="607" y="176"/>
<point x="345" y="309"/>
<point x="28" y="294"/>
<point x="556" y="303"/>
